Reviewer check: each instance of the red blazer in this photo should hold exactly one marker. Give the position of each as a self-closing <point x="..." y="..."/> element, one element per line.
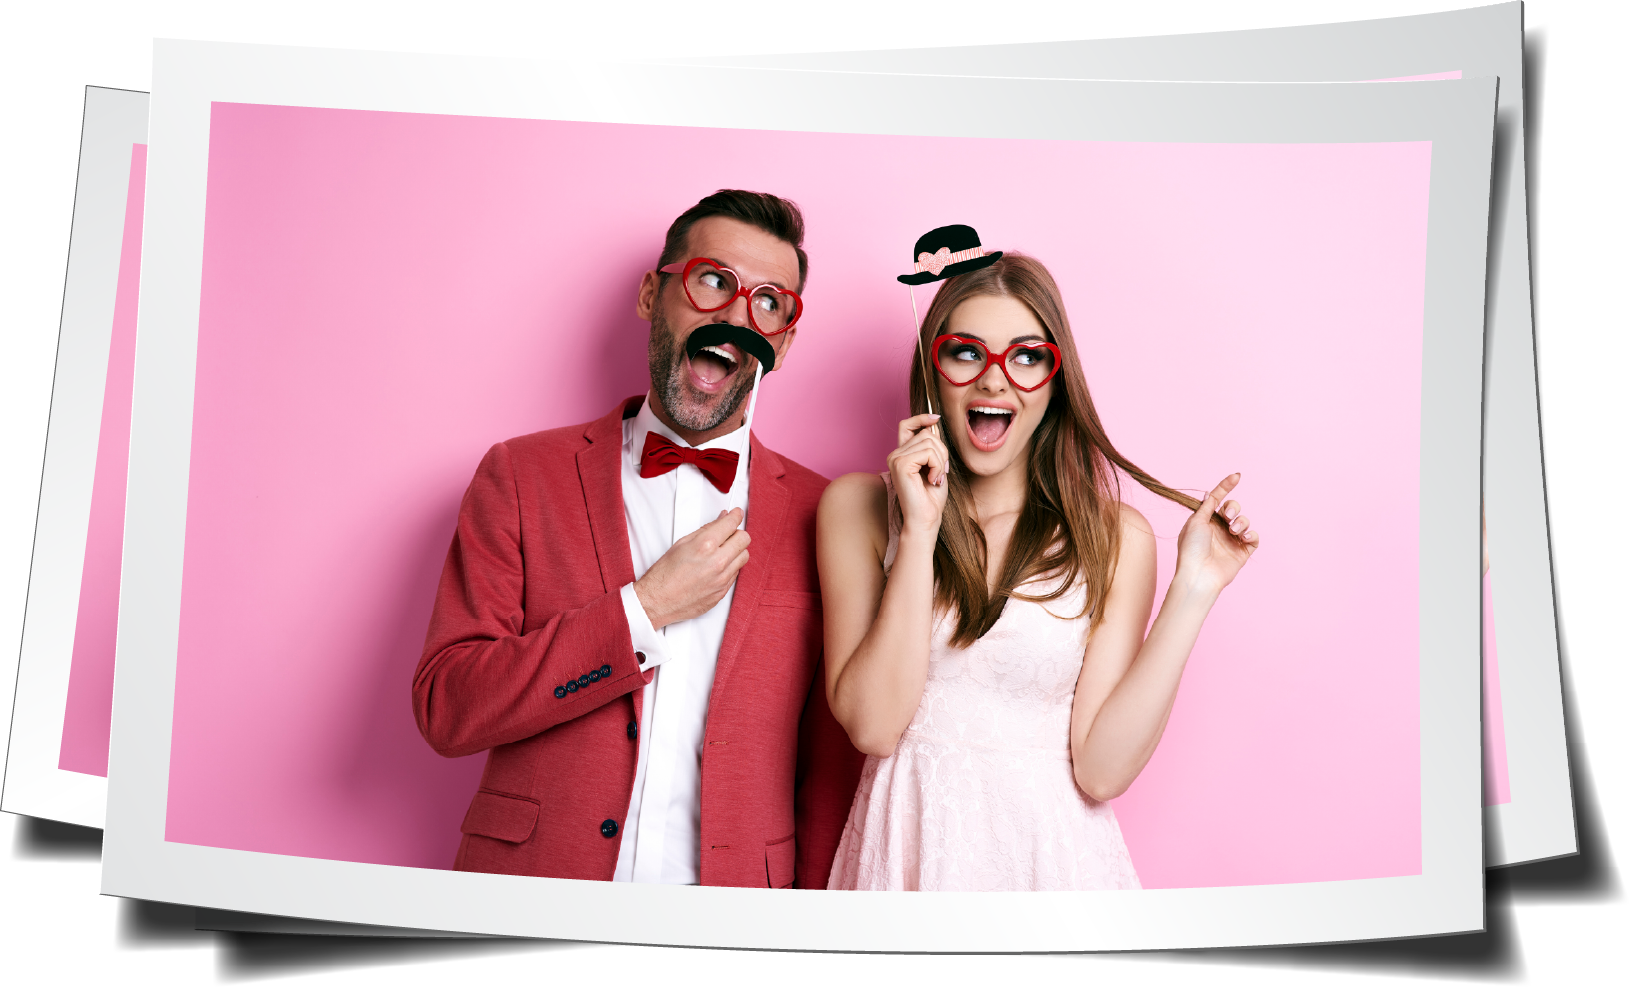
<point x="529" y="600"/>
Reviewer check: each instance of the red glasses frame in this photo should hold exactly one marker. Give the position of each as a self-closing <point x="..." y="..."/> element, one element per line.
<point x="1001" y="359"/>
<point x="684" y="271"/>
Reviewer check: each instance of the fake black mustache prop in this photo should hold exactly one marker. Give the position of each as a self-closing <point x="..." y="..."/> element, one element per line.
<point x="729" y="333"/>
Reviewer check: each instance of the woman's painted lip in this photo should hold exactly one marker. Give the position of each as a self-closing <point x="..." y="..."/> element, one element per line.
<point x="1002" y="438"/>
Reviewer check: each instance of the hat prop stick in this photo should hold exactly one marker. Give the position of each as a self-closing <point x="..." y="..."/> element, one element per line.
<point x="918" y="345"/>
<point x="941" y="254"/>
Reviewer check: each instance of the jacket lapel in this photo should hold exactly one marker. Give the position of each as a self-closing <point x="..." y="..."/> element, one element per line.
<point x="600" y="471"/>
<point x="767" y="514"/>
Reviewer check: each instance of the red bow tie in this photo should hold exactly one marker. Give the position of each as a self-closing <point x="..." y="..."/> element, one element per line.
<point x="660" y="457"/>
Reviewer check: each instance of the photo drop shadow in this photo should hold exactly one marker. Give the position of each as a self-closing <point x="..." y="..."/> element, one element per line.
<point x="43" y="839"/>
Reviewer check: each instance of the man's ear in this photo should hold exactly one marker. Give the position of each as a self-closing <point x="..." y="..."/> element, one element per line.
<point x="785" y="346"/>
<point x="646" y="298"/>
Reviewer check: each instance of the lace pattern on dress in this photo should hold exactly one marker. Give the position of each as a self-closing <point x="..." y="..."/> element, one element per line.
<point x="979" y="794"/>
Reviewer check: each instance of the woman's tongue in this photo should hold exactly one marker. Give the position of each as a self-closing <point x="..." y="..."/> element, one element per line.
<point x="988" y="428"/>
<point x="710" y="367"/>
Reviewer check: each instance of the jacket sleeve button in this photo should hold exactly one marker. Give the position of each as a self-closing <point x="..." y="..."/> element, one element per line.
<point x="583" y="680"/>
<point x="609" y="828"/>
<point x="634" y="730"/>
<point x="594" y="676"/>
<point x="560" y="692"/>
<point x="572" y="686"/>
<point x="606" y="670"/>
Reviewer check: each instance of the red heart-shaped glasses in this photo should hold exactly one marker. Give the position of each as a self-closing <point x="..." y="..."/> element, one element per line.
<point x="1028" y="365"/>
<point x="711" y="286"/>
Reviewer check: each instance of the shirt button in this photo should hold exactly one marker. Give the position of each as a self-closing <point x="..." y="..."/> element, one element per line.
<point x="640" y="657"/>
<point x="560" y="692"/>
<point x="634" y="730"/>
<point x="609" y="828"/>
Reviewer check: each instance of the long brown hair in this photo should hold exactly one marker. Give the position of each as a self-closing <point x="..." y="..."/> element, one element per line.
<point x="1070" y="526"/>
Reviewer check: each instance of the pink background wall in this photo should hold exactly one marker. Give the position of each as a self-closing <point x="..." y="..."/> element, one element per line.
<point x="385" y="295"/>
<point x="89" y="709"/>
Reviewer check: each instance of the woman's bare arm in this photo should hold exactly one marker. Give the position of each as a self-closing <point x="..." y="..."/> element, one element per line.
<point x="877" y="630"/>
<point x="1130" y="678"/>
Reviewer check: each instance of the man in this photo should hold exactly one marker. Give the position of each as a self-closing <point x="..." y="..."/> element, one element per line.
<point x="649" y="688"/>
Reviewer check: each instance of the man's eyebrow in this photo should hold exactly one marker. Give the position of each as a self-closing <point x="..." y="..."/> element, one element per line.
<point x="720" y="264"/>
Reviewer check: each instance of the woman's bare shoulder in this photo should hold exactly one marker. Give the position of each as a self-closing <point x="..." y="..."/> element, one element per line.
<point x="850" y="495"/>
<point x="1135" y="520"/>
<point x="853" y="506"/>
<point x="1138" y="536"/>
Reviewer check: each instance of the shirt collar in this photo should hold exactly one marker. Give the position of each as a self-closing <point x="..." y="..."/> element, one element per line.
<point x="645" y="421"/>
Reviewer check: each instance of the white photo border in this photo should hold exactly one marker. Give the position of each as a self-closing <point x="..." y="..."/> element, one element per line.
<point x="1537" y="823"/>
<point x="115" y="119"/>
<point x="1446" y="897"/>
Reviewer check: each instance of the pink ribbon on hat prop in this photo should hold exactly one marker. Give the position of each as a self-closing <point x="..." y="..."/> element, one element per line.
<point x="937" y="262"/>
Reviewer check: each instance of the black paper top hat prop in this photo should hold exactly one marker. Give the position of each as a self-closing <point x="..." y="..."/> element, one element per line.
<point x="940" y="254"/>
<point x="945" y="252"/>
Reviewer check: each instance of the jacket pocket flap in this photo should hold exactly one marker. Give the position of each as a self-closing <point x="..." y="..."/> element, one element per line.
<point x="499" y="816"/>
<point x="777" y="598"/>
<point x="779" y="858"/>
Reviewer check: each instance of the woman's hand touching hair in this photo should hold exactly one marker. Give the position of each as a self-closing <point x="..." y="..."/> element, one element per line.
<point x="1216" y="540"/>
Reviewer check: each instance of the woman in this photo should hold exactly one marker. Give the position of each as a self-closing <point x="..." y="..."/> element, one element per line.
<point x="960" y="589"/>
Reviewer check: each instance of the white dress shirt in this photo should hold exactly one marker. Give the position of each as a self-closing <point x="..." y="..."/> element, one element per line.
<point x="661" y="837"/>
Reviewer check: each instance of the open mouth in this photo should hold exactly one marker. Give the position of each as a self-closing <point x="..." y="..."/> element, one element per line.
<point x="713" y="365"/>
<point x="989" y="425"/>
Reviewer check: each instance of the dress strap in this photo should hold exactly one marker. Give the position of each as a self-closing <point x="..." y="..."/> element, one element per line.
<point x="893" y="512"/>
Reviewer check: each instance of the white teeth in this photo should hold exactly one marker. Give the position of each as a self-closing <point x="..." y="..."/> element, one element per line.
<point x="722" y="353"/>
<point x="992" y="410"/>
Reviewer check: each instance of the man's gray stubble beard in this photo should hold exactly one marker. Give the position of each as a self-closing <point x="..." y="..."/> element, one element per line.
<point x="665" y="360"/>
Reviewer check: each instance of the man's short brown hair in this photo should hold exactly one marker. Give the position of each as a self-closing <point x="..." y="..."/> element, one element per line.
<point x="776" y="216"/>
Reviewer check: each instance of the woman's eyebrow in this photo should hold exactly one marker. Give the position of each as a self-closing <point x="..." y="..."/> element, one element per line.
<point x="1028" y="336"/>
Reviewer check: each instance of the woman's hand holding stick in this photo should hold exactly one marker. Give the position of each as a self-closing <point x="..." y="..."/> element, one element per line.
<point x="918" y="467"/>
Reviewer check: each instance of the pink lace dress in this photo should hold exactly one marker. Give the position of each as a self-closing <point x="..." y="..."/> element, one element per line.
<point x="979" y="793"/>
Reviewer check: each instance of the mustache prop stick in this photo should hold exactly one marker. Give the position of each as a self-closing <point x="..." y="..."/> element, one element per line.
<point x="941" y="254"/>
<point x="748" y="340"/>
